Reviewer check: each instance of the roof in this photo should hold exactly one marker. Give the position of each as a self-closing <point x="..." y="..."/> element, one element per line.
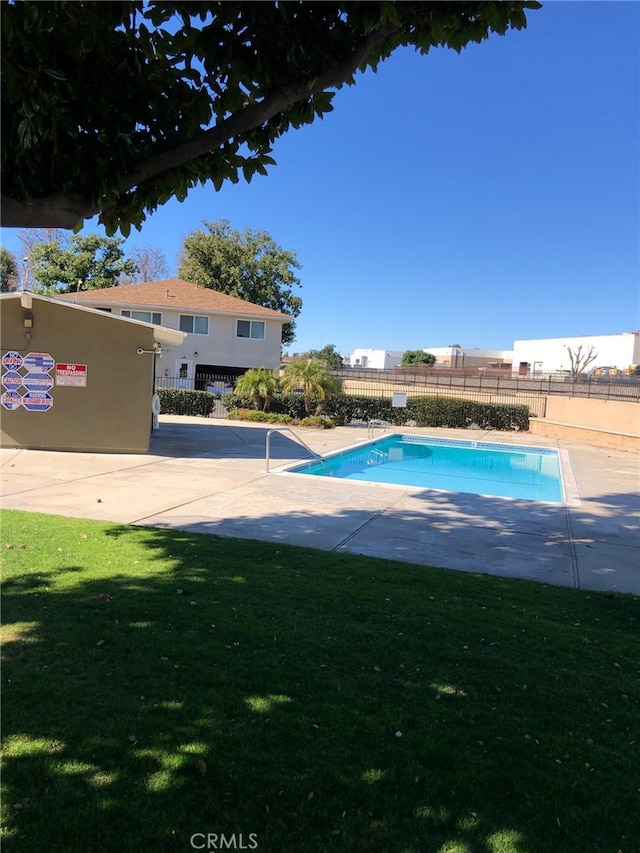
<point x="173" y="293"/>
<point x="168" y="337"/>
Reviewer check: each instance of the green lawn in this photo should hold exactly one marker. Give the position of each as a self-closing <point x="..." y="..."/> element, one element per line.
<point x="339" y="703"/>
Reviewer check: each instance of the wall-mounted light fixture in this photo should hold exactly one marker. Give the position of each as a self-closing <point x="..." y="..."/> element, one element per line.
<point x="27" y="322"/>
<point x="195" y="355"/>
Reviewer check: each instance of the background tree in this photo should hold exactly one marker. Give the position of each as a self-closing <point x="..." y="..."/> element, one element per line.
<point x="313" y="377"/>
<point x="248" y="265"/>
<point x="417" y="356"/>
<point x="260" y="384"/>
<point x="114" y="108"/>
<point x="580" y="360"/>
<point x="31" y="237"/>
<point x="327" y="354"/>
<point x="8" y="271"/>
<point x="151" y="264"/>
<point x="89" y="263"/>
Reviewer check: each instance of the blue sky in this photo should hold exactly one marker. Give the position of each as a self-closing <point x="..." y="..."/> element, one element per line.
<point x="472" y="199"/>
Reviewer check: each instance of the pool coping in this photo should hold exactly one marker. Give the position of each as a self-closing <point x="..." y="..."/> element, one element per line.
<point x="568" y="481"/>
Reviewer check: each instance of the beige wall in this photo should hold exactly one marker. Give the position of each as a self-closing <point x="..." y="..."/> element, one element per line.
<point x="113" y="412"/>
<point x="603" y="423"/>
<point x="593" y="436"/>
<point x="615" y="415"/>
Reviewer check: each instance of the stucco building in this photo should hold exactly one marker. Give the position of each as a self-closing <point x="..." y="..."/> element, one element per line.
<point x="551" y="355"/>
<point x="375" y="359"/>
<point x="458" y="356"/>
<point x="74" y="378"/>
<point x="223" y="335"/>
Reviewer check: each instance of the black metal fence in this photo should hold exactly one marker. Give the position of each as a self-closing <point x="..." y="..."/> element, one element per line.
<point x="213" y="385"/>
<point x="217" y="385"/>
<point x="536" y="402"/>
<point x="601" y="387"/>
<point x="531" y="391"/>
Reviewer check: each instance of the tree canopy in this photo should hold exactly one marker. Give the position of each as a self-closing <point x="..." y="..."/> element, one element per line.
<point x="8" y="270"/>
<point x="328" y="354"/>
<point x="113" y="108"/>
<point x="150" y="262"/>
<point x="417" y="356"/>
<point x="249" y="265"/>
<point x="82" y="263"/>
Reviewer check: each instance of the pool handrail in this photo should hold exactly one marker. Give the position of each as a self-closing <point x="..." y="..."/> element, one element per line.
<point x="297" y="437"/>
<point x="376" y="422"/>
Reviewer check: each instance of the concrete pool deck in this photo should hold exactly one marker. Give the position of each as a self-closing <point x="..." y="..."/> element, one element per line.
<point x="209" y="476"/>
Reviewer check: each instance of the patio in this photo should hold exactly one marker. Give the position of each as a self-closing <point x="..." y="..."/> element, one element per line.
<point x="209" y="476"/>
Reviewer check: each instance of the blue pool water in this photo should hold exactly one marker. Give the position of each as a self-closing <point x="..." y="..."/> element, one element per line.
<point x="481" y="468"/>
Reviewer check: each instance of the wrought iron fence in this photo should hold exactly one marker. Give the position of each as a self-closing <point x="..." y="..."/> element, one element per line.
<point x="360" y="388"/>
<point x="212" y="384"/>
<point x="531" y="391"/>
<point x="600" y="387"/>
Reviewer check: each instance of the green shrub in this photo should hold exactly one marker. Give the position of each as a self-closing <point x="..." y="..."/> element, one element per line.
<point x="178" y="401"/>
<point x="316" y="421"/>
<point x="245" y="414"/>
<point x="261" y="417"/>
<point x="345" y="408"/>
<point x="232" y="401"/>
<point x="429" y="412"/>
<point x="282" y="404"/>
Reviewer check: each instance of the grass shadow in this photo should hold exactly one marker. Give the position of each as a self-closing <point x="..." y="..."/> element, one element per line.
<point x="338" y="703"/>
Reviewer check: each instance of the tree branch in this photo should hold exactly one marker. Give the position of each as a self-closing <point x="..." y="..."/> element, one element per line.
<point x="254" y="115"/>
<point x="53" y="211"/>
<point x="62" y="211"/>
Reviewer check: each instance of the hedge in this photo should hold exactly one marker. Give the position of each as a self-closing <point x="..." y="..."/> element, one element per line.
<point x="274" y="418"/>
<point x="178" y="401"/>
<point x="421" y="411"/>
<point x="281" y="404"/>
<point x="245" y="414"/>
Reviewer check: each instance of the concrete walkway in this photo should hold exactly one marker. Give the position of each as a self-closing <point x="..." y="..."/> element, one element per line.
<point x="209" y="476"/>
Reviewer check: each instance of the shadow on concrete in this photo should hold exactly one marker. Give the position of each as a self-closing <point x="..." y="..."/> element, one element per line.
<point x="209" y="440"/>
<point x="521" y="539"/>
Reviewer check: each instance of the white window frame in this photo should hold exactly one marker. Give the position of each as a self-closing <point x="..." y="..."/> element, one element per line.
<point x="193" y="318"/>
<point x="151" y="314"/>
<point x="251" y="335"/>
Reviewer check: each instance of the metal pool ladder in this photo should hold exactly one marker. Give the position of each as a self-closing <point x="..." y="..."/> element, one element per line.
<point x="376" y="422"/>
<point x="297" y="438"/>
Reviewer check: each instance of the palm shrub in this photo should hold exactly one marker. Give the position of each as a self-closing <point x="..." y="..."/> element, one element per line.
<point x="260" y="384"/>
<point x="315" y="379"/>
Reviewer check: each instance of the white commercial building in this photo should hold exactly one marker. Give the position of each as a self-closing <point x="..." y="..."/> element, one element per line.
<point x="457" y="356"/>
<point x="375" y="359"/>
<point x="549" y="355"/>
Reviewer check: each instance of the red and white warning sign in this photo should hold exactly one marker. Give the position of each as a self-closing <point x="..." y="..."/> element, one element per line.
<point x="71" y="374"/>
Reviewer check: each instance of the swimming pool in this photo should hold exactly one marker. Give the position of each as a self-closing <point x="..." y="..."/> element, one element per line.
<point x="455" y="465"/>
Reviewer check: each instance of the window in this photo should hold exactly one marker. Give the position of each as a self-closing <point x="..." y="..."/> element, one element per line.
<point x="144" y="316"/>
<point x="194" y="325"/>
<point x="250" y="329"/>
